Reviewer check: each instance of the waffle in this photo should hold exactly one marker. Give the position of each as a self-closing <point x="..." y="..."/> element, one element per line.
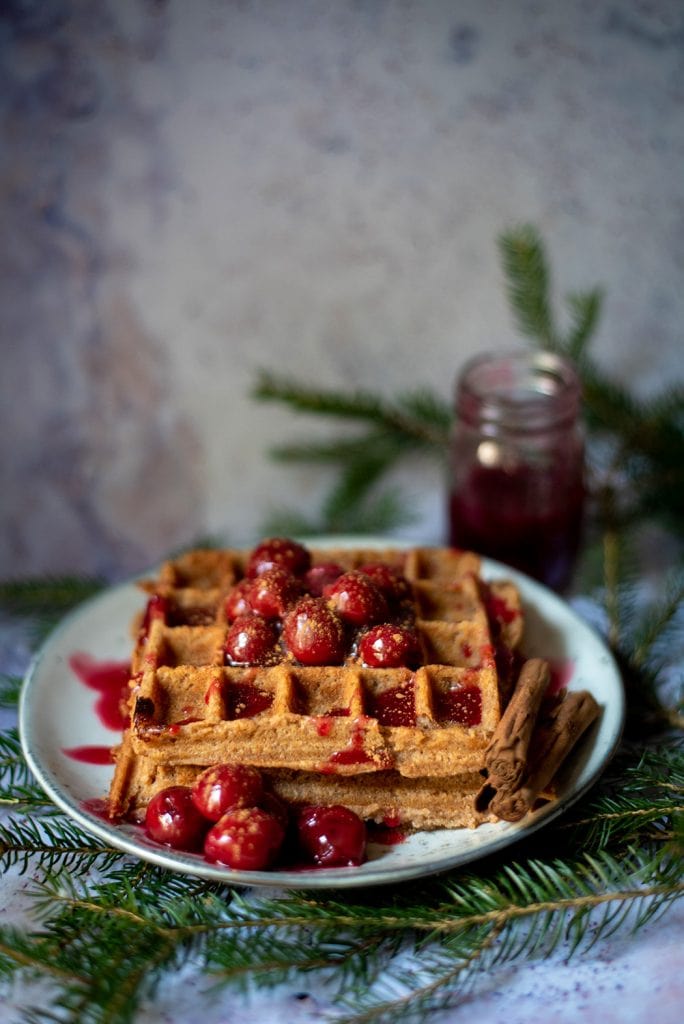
<point x="383" y="797"/>
<point x="406" y="743"/>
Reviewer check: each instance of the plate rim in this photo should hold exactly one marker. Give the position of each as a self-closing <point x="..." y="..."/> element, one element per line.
<point x="317" y="878"/>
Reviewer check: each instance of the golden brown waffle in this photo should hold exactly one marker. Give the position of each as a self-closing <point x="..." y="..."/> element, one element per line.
<point x="369" y="738"/>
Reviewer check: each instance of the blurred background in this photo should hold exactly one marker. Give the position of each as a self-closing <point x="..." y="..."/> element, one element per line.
<point x="193" y="192"/>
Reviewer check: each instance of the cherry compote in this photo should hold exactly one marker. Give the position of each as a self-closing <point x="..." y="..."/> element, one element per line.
<point x="390" y="646"/>
<point x="237" y="602"/>
<point x="279" y="552"/>
<point x="321" y="576"/>
<point x="173" y="819"/>
<point x="245" y="838"/>
<point x="251" y="640"/>
<point x="272" y="592"/>
<point x="356" y="599"/>
<point x="392" y="583"/>
<point x="313" y="634"/>
<point x="331" y="836"/>
<point x="225" y="786"/>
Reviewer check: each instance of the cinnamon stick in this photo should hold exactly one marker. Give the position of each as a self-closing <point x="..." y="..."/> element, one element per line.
<point x="506" y="755"/>
<point x="552" y="743"/>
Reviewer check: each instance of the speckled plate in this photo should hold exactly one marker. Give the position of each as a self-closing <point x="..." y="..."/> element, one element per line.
<point x="57" y="714"/>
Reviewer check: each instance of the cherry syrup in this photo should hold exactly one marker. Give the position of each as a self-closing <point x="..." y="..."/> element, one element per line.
<point x="110" y="680"/>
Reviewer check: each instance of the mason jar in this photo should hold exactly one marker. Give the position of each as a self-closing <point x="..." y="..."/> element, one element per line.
<point x="517" y="463"/>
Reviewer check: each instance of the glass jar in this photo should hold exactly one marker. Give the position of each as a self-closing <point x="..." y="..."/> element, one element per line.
<point x="517" y="463"/>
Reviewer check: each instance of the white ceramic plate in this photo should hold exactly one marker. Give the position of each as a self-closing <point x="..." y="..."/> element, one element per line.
<point x="57" y="713"/>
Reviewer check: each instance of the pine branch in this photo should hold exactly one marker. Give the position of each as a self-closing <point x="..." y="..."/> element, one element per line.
<point x="51" y="596"/>
<point x="528" y="283"/>
<point x="418" y="415"/>
<point x="10" y="687"/>
<point x="54" y="842"/>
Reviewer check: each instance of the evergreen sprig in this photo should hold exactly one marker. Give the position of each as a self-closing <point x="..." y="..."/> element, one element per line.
<point x="416" y="423"/>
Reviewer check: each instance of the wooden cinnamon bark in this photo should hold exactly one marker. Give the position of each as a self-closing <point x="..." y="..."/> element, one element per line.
<point x="506" y="755"/>
<point x="551" y="744"/>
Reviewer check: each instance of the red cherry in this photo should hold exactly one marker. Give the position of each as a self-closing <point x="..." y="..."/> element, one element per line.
<point x="281" y="552"/>
<point x="390" y="646"/>
<point x="394" y="586"/>
<point x="332" y="836"/>
<point x="172" y="818"/>
<point x="225" y="786"/>
<point x="320" y="576"/>
<point x="247" y="838"/>
<point x="271" y="593"/>
<point x="313" y="634"/>
<point x="356" y="599"/>
<point x="237" y="602"/>
<point x="251" y="640"/>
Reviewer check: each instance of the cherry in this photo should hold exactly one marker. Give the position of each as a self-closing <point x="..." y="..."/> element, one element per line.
<point x="320" y="576"/>
<point x="246" y="838"/>
<point x="332" y="836"/>
<point x="281" y="552"/>
<point x="251" y="640"/>
<point x="237" y="602"/>
<point x="225" y="786"/>
<point x="394" y="586"/>
<point x="172" y="818"/>
<point x="272" y="592"/>
<point x="356" y="599"/>
<point x="390" y="646"/>
<point x="313" y="634"/>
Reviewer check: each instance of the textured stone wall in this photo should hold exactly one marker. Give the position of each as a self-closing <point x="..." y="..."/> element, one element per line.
<point x="192" y="191"/>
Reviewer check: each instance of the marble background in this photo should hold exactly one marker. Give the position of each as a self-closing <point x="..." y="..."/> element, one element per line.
<point x="192" y="191"/>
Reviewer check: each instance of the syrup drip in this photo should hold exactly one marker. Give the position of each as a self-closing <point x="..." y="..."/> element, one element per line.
<point x="110" y="680"/>
<point x="354" y="752"/>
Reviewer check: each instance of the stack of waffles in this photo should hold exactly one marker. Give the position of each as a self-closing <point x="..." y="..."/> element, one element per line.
<point x="396" y="745"/>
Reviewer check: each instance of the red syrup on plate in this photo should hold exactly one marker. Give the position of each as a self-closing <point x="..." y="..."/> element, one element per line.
<point x="110" y="680"/>
<point x="95" y="754"/>
<point x="562" y="671"/>
<point x="97" y="807"/>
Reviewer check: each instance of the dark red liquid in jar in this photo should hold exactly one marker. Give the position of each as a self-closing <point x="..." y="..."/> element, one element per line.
<point x="517" y="491"/>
